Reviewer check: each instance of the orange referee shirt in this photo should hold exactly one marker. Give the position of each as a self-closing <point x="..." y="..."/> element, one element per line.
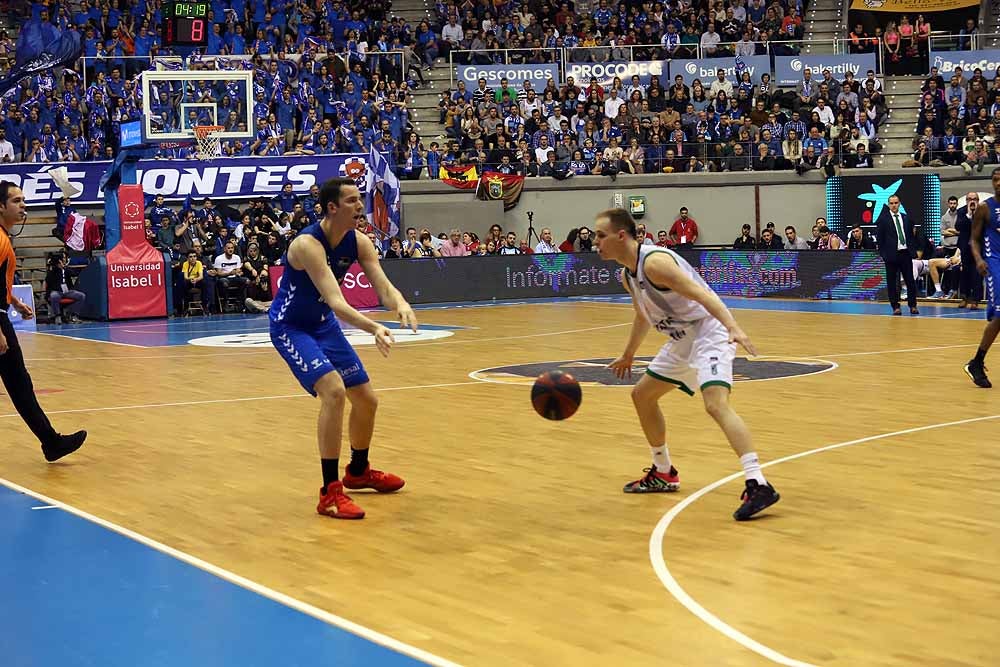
<point x="7" y="267"/>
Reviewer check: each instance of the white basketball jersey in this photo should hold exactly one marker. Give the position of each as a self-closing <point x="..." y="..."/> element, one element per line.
<point x="667" y="312"/>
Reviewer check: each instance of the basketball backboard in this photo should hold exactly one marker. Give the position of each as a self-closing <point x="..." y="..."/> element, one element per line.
<point x="175" y="101"/>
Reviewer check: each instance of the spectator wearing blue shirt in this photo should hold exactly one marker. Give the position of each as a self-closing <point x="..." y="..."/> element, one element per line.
<point x="286" y="199"/>
<point x="358" y="143"/>
<point x="433" y="161"/>
<point x="395" y="114"/>
<point x="815" y="141"/>
<point x="215" y="44"/>
<point x="81" y="16"/>
<point x="236" y="41"/>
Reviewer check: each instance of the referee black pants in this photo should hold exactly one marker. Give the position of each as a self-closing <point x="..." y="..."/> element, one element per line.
<point x="17" y="383"/>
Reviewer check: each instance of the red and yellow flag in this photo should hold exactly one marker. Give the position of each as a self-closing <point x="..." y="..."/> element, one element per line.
<point x="463" y="177"/>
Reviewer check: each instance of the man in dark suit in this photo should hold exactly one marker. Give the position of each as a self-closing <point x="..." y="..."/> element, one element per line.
<point x="896" y="245"/>
<point x="971" y="285"/>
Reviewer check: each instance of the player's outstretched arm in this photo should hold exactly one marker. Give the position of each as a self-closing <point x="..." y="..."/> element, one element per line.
<point x="390" y="297"/>
<point x="663" y="270"/>
<point x="307" y="253"/>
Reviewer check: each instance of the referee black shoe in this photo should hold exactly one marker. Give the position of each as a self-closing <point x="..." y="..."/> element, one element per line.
<point x="66" y="444"/>
<point x="977" y="371"/>
<point x="756" y="497"/>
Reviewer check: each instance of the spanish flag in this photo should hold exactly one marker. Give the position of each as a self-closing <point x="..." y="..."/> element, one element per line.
<point x="463" y="177"/>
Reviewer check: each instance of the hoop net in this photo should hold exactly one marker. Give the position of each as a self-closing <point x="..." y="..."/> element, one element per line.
<point x="208" y="142"/>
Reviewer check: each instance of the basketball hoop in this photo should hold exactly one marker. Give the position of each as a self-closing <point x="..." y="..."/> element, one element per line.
<point x="209" y="147"/>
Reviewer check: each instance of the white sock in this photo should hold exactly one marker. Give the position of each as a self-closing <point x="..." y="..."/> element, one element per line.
<point x="661" y="458"/>
<point x="751" y="467"/>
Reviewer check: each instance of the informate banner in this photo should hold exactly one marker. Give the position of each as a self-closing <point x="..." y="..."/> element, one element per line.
<point x="792" y="274"/>
<point x="136" y="280"/>
<point x="228" y="178"/>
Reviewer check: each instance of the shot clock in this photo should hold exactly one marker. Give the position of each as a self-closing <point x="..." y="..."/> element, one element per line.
<point x="185" y="24"/>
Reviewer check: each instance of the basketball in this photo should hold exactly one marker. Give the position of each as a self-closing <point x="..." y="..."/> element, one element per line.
<point x="556" y="395"/>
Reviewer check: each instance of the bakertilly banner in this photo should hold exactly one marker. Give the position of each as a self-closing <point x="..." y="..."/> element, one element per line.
<point x="229" y="178"/>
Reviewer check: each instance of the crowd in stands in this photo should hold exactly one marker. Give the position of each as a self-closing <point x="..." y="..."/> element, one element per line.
<point x="327" y="80"/>
<point x="957" y="121"/>
<point x="630" y="127"/>
<point x="542" y="32"/>
<point x="328" y="77"/>
<point x="907" y="45"/>
<point x="335" y="76"/>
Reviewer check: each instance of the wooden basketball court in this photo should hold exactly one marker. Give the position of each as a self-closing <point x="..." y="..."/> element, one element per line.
<point x="512" y="543"/>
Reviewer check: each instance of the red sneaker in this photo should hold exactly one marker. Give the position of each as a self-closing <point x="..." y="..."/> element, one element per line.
<point x="337" y="504"/>
<point x="383" y="482"/>
<point x="655" y="482"/>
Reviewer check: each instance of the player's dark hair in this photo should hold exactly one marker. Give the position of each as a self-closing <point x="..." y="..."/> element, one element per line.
<point x="620" y="219"/>
<point x="330" y="192"/>
<point x="5" y="187"/>
<point x="994" y="172"/>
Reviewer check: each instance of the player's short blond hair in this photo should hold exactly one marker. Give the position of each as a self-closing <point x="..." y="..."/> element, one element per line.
<point x="619" y="219"/>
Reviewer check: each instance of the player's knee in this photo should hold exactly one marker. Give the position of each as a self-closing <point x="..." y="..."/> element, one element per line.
<point x="716" y="406"/>
<point x="331" y="392"/>
<point x="363" y="397"/>
<point x="641" y="395"/>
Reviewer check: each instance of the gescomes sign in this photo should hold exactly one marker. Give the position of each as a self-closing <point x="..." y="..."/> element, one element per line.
<point x="516" y="75"/>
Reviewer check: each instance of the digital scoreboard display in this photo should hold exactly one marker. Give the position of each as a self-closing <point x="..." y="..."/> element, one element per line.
<point x="185" y="24"/>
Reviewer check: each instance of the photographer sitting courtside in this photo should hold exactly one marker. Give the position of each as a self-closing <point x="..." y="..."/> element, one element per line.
<point x="58" y="286"/>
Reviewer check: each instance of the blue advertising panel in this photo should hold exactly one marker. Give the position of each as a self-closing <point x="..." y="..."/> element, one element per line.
<point x="788" y="69"/>
<point x="707" y="68"/>
<point x="947" y="62"/>
<point x="229" y="178"/>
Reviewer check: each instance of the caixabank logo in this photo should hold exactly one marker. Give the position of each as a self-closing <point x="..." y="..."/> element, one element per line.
<point x="594" y="372"/>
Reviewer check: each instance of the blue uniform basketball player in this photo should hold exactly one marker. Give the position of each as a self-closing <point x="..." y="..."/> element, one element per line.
<point x="985" y="246"/>
<point x="307" y="336"/>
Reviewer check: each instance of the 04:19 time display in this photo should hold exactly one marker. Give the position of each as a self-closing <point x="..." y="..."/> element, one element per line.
<point x="190" y="9"/>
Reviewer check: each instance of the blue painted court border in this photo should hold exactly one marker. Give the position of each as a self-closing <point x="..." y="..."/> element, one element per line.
<point x="178" y="331"/>
<point x="79" y="593"/>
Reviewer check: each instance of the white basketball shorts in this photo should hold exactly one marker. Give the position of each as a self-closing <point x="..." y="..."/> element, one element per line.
<point x="701" y="358"/>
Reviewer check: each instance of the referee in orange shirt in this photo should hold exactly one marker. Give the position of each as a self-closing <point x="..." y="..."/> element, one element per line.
<point x="15" y="376"/>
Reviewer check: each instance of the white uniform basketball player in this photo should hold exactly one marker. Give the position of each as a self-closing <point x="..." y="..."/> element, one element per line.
<point x="669" y="296"/>
<point x="934" y="267"/>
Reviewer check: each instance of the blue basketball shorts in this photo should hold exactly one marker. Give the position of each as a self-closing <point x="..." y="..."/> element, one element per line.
<point x="992" y="287"/>
<point x="313" y="352"/>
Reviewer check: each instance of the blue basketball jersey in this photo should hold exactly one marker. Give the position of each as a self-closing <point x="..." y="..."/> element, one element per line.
<point x="991" y="232"/>
<point x="298" y="302"/>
